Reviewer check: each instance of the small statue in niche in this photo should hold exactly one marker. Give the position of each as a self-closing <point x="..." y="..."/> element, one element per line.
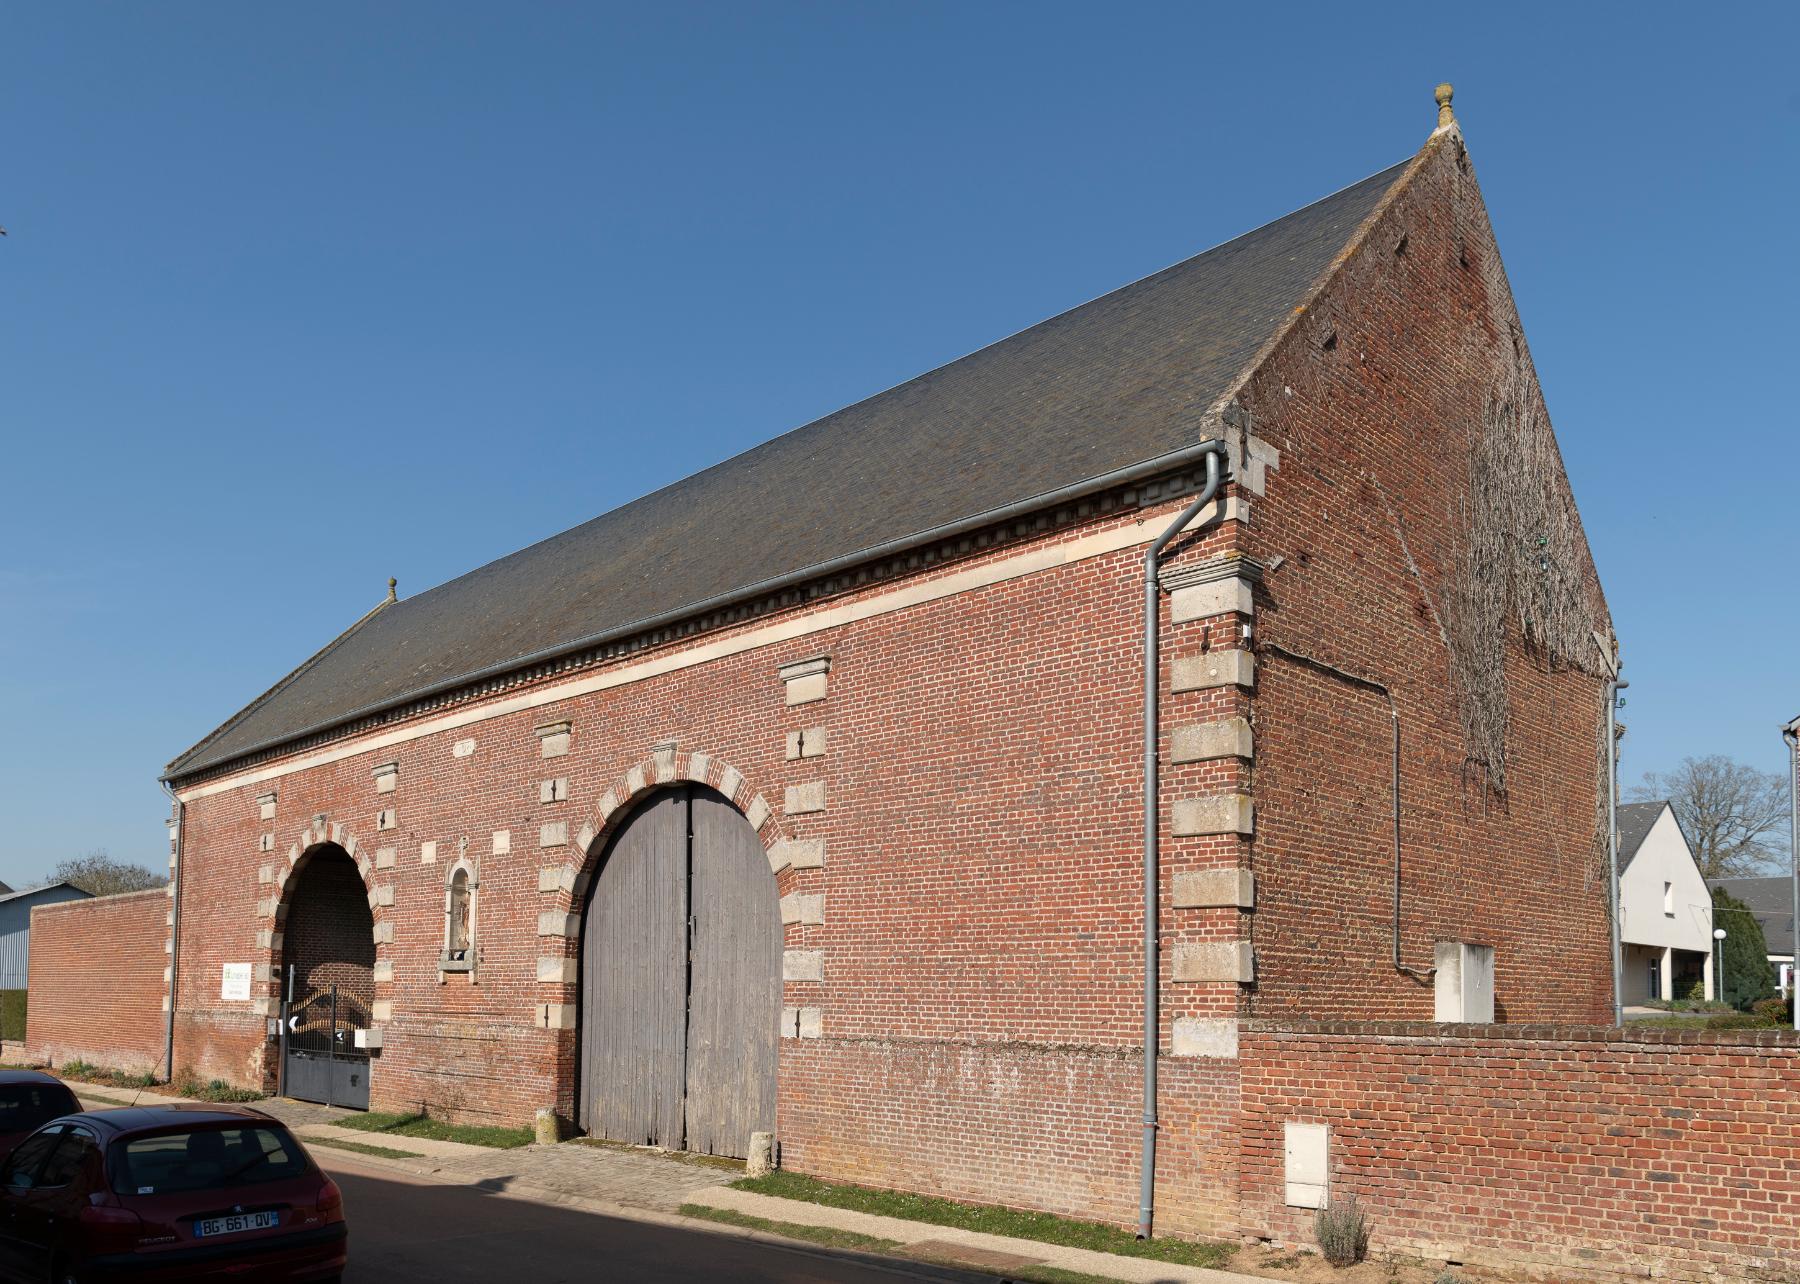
<point x="456" y="944"/>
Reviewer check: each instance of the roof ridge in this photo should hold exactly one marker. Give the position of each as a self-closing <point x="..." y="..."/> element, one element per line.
<point x="279" y="686"/>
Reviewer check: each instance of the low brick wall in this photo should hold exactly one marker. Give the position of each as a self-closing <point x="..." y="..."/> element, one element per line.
<point x="1027" y="1126"/>
<point x="97" y="981"/>
<point x="1587" y="1152"/>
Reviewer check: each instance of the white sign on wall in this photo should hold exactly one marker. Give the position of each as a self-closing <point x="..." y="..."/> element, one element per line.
<point x="236" y="981"/>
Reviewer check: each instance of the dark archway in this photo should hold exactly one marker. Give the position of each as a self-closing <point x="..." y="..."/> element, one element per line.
<point x="681" y="979"/>
<point x="327" y="979"/>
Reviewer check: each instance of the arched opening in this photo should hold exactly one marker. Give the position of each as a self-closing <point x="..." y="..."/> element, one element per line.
<point x="681" y="979"/>
<point x="327" y="980"/>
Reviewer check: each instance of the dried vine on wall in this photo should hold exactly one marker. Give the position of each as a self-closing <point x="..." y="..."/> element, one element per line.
<point x="1521" y="564"/>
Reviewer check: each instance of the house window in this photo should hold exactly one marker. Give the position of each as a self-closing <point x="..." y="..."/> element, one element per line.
<point x="1669" y="899"/>
<point x="459" y="920"/>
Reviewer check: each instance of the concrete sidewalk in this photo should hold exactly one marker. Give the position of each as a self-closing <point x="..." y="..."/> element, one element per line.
<point x="944" y="1244"/>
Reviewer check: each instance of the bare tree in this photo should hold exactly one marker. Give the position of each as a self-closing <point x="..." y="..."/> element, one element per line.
<point x="1733" y="814"/>
<point x="100" y="875"/>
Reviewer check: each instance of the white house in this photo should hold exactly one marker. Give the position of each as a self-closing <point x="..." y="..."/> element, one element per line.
<point x="1665" y="910"/>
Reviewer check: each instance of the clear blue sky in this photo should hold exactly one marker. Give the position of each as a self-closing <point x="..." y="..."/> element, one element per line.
<point x="298" y="297"/>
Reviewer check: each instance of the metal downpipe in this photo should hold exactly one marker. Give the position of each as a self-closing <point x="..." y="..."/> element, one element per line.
<point x="1152" y="956"/>
<point x="174" y="933"/>
<point x="1791" y="734"/>
<point x="1612" y="841"/>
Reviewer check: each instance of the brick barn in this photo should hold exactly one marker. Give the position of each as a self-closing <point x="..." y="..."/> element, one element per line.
<point x="806" y="795"/>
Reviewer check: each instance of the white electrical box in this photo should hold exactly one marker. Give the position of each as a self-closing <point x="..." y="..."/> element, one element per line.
<point x="1465" y="982"/>
<point x="1306" y="1164"/>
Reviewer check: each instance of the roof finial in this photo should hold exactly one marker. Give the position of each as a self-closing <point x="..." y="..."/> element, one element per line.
<point x="393" y="587"/>
<point x="1446" y="117"/>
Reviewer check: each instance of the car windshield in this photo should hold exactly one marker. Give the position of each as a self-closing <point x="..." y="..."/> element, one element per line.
<point x="204" y="1159"/>
<point x="24" y="1106"/>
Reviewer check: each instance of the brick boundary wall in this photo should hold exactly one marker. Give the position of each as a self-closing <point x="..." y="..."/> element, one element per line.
<point x="96" y="981"/>
<point x="1585" y="1152"/>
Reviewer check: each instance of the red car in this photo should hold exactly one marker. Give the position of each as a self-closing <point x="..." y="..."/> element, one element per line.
<point x="168" y="1193"/>
<point x="29" y="1099"/>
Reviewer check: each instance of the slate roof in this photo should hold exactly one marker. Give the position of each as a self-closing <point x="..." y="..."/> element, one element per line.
<point x="1119" y="381"/>
<point x="1771" y="900"/>
<point x="1635" y="823"/>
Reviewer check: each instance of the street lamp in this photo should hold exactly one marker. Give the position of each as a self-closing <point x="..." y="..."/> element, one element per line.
<point x="1719" y="963"/>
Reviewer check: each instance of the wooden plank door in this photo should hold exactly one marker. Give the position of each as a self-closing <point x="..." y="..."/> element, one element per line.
<point x="734" y="998"/>
<point x="634" y="981"/>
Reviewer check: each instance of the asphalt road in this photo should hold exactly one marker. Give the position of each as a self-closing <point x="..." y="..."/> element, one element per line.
<point x="402" y="1229"/>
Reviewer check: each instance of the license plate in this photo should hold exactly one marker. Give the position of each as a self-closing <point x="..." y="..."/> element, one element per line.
<point x="236" y="1223"/>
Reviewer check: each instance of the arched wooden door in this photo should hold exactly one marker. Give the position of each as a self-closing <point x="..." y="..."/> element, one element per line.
<point x="681" y="980"/>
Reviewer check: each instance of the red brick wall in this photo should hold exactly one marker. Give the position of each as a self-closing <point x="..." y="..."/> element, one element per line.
<point x="1057" y="1129"/>
<point x="1575" y="1149"/>
<point x="1375" y="399"/>
<point x="97" y="981"/>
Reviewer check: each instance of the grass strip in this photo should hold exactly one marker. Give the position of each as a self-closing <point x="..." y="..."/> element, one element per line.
<point x="429" y="1129"/>
<point x="1056" y="1275"/>
<point x="362" y="1147"/>
<point x="989" y="1220"/>
<point x="829" y="1236"/>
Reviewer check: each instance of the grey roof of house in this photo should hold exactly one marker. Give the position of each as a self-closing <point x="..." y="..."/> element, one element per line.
<point x="1635" y="823"/>
<point x="1771" y="900"/>
<point x="1117" y="382"/>
<point x="10" y="895"/>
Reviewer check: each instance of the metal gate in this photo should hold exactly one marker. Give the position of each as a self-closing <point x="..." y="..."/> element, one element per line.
<point x="319" y="1057"/>
<point x="681" y="980"/>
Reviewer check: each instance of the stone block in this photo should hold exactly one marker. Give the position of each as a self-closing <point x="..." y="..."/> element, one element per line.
<point x="554" y="969"/>
<point x="1214" y="889"/>
<point x="1205" y="1037"/>
<point x="555" y="834"/>
<point x="266" y="874"/>
<point x="384" y="971"/>
<point x="265" y="807"/>
<point x="1218" y="597"/>
<point x="265" y="939"/>
<point x="553" y="791"/>
<point x="757" y="812"/>
<point x="555" y="923"/>
<point x="698" y="765"/>
<point x="1214" y="814"/>
<point x="556" y="878"/>
<point x="386" y="857"/>
<point x="731" y="781"/>
<point x="1214" y="669"/>
<point x="556" y="1016"/>
<point x="553" y="739"/>
<point x="387" y="776"/>
<point x="800" y="853"/>
<point x="1199" y="741"/>
<point x="812" y="1023"/>
<point x="635" y="781"/>
<point x="427" y="853"/>
<point x="812" y="908"/>
<point x="462" y="749"/>
<point x="502" y="842"/>
<point x="585" y="839"/>
<point x="790" y="1023"/>
<point x="264" y="908"/>
<point x="370" y="1038"/>
<point x="809" y="743"/>
<point x="790" y="909"/>
<point x="384" y="932"/>
<point x="801" y="799"/>
<point x="805" y="680"/>
<point x="381" y="1011"/>
<point x="1215" y="961"/>
<point x="803" y="965"/>
<point x="385" y="819"/>
<point x="384" y="894"/>
<point x="266" y="843"/>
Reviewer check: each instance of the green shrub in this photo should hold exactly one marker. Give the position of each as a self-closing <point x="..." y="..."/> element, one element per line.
<point x="1774" y="1011"/>
<point x="1343" y="1233"/>
<point x="12" y="1014"/>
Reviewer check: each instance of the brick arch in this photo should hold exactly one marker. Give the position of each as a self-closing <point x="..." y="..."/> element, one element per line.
<point x="661" y="769"/>
<point x="273" y="903"/>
